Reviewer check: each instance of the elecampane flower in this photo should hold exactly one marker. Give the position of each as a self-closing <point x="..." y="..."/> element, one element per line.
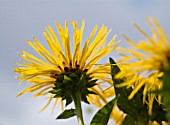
<point x="137" y="82"/>
<point x="150" y="54"/>
<point x="58" y="61"/>
<point x="144" y="62"/>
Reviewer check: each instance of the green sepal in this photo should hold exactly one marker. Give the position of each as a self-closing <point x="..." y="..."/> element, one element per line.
<point x="68" y="100"/>
<point x="87" y="92"/>
<point x="103" y="115"/>
<point x="58" y="84"/>
<point x="67" y="114"/>
<point x="57" y="95"/>
<point x="91" y="84"/>
<point x="80" y="85"/>
<point x="78" y="73"/>
<point x="73" y="82"/>
<point x="55" y="91"/>
<point x="84" y="95"/>
<point x="84" y="98"/>
<point x="60" y="78"/>
<point x="73" y="76"/>
<point x="67" y="80"/>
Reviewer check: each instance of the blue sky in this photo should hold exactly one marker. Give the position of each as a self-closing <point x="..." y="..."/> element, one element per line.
<point x="20" y="20"/>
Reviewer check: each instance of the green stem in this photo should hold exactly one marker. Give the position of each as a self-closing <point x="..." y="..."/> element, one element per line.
<point x="77" y="103"/>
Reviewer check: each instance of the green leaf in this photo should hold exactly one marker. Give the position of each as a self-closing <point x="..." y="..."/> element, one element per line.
<point x="127" y="106"/>
<point x="67" y="114"/>
<point x="103" y="115"/>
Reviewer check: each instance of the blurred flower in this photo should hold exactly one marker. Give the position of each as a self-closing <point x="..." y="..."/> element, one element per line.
<point x="150" y="54"/>
<point x="43" y="73"/>
<point x="137" y="82"/>
<point x="145" y="61"/>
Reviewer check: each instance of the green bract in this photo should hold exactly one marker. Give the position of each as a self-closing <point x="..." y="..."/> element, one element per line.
<point x="73" y="82"/>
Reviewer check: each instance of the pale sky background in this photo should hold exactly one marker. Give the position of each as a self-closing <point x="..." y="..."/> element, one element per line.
<point x="22" y="19"/>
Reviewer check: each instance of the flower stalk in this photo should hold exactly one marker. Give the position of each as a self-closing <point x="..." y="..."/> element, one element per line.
<point x="77" y="102"/>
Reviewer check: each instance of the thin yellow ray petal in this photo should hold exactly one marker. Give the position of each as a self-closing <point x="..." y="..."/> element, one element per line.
<point x="64" y="36"/>
<point x="55" y="38"/>
<point x="101" y="54"/>
<point x="40" y="52"/>
<point x="145" y="34"/>
<point x="44" y="51"/>
<point x="136" y="89"/>
<point x="54" y="106"/>
<point x="101" y="45"/>
<point x="86" y="46"/>
<point x="67" y="41"/>
<point x="41" y="91"/>
<point x="55" y="50"/>
<point x="129" y="40"/>
<point x="100" y="36"/>
<point x="100" y="94"/>
<point x="82" y="29"/>
<point x="77" y="38"/>
<point x="31" y="57"/>
<point x="76" y="55"/>
<point x="50" y="98"/>
<point x="162" y="35"/>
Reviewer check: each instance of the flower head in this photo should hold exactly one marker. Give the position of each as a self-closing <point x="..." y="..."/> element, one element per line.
<point x="59" y="72"/>
<point x="144" y="62"/>
<point x="150" y="54"/>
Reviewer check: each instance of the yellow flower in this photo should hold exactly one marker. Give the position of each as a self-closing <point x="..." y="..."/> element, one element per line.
<point x="42" y="73"/>
<point x="137" y="82"/>
<point x="150" y="54"/>
<point x="144" y="62"/>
